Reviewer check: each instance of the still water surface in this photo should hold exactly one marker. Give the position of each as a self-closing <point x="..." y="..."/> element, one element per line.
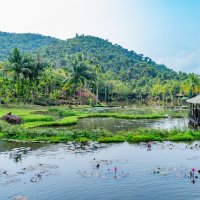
<point x="114" y="125"/>
<point x="126" y="171"/>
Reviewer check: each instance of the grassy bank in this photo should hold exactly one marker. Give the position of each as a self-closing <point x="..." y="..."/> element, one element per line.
<point x="37" y="116"/>
<point x="132" y="116"/>
<point x="17" y="132"/>
<point x="43" y="117"/>
<point x="72" y="119"/>
<point x="65" y="121"/>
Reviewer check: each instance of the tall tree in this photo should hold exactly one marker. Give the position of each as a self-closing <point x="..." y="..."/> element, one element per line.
<point x="16" y="62"/>
<point x="194" y="83"/>
<point x="80" y="73"/>
<point x="97" y="70"/>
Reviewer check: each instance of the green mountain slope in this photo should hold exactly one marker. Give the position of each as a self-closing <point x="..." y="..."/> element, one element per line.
<point x="123" y="73"/>
<point x="27" y="42"/>
<point x="126" y="65"/>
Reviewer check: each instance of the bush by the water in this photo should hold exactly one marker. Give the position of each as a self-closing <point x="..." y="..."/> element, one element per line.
<point x="12" y="119"/>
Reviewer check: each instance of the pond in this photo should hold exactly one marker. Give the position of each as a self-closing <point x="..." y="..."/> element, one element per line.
<point x="136" y="109"/>
<point x="114" y="124"/>
<point x="114" y="171"/>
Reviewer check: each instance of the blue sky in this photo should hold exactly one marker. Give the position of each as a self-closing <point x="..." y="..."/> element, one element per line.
<point x="168" y="31"/>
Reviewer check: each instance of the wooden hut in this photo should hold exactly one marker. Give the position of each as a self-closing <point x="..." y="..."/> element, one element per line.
<point x="194" y="114"/>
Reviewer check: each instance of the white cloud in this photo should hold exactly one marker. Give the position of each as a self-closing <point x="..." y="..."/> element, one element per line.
<point x="185" y="61"/>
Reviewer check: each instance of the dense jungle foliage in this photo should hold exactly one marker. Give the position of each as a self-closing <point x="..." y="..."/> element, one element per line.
<point x="26" y="42"/>
<point x="85" y="69"/>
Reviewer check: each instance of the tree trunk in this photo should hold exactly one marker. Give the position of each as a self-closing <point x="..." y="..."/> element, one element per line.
<point x="75" y="91"/>
<point x="81" y="96"/>
<point x="105" y="93"/>
<point x="97" y="92"/>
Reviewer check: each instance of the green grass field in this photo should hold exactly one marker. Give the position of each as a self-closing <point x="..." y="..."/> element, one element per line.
<point x="37" y="118"/>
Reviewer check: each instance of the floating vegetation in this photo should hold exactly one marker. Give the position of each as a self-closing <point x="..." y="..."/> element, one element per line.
<point x="170" y="146"/>
<point x="177" y="172"/>
<point x="34" y="174"/>
<point x="20" y="150"/>
<point x="17" y="153"/>
<point x="41" y="167"/>
<point x="19" y="197"/>
<point x="37" y="177"/>
<point x="81" y="147"/>
<point x="106" y="169"/>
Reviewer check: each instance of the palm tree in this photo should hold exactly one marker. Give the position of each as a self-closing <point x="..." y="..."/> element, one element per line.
<point x="16" y="62"/>
<point x="80" y="73"/>
<point x="37" y="68"/>
<point x="33" y="69"/>
<point x="26" y="69"/>
<point x="194" y="82"/>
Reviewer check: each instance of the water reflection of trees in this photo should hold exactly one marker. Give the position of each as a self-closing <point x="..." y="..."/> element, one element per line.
<point x="7" y="146"/>
<point x="17" y="150"/>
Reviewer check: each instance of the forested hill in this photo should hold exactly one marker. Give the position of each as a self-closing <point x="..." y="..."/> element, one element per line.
<point x="126" y="65"/>
<point x="114" y="73"/>
<point x="27" y="42"/>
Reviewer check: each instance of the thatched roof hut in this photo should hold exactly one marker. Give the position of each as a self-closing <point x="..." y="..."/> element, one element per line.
<point x="194" y="100"/>
<point x="194" y="115"/>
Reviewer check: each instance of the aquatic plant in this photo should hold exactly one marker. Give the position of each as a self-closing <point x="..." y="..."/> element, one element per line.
<point x="37" y="117"/>
<point x="112" y="139"/>
<point x="65" y="113"/>
<point x="37" y="123"/>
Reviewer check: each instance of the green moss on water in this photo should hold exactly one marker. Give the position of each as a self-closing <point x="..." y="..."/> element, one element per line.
<point x="65" y="113"/>
<point x="17" y="132"/>
<point x="73" y="117"/>
<point x="128" y="116"/>
<point x="181" y="137"/>
<point x="112" y="139"/>
<point x="53" y="109"/>
<point x="66" y="121"/>
<point x="37" y="117"/>
<point x="143" y="138"/>
<point x="83" y="140"/>
<point x="37" y="122"/>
